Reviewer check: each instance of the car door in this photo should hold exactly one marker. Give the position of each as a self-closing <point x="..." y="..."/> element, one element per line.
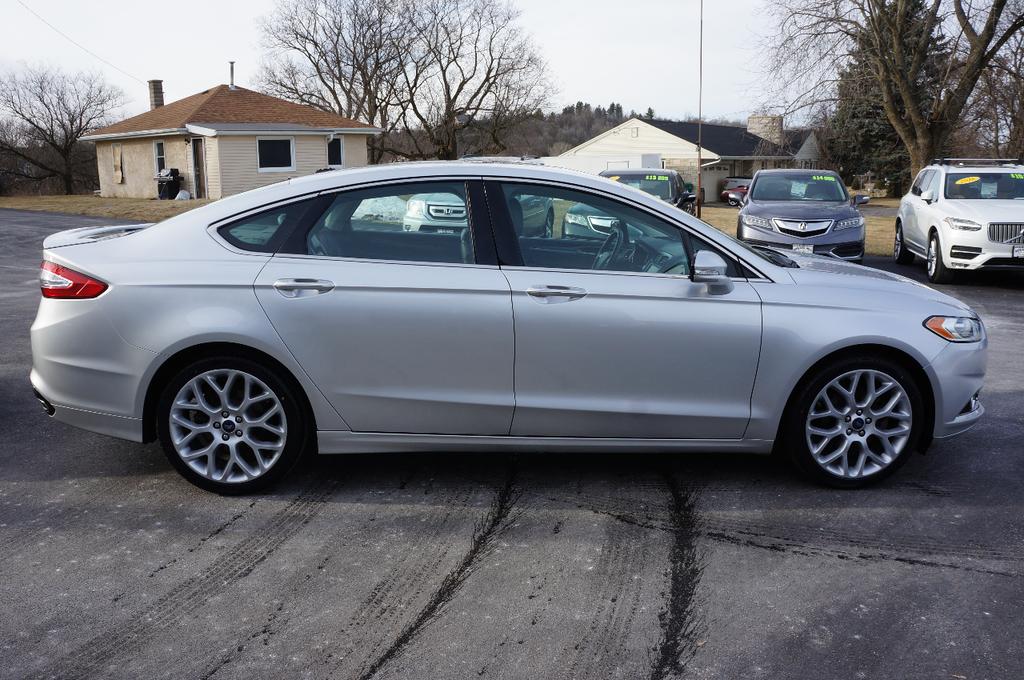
<point x="622" y="344"/>
<point x="915" y="239"/>
<point x="403" y="331"/>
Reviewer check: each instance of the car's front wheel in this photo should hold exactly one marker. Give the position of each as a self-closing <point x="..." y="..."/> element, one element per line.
<point x="899" y="249"/>
<point x="938" y="272"/>
<point x="231" y="426"/>
<point x="854" y="422"/>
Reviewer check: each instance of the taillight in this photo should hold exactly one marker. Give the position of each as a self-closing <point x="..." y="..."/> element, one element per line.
<point x="56" y="281"/>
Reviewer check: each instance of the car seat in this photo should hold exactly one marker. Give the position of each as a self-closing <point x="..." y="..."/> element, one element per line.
<point x="515" y="213"/>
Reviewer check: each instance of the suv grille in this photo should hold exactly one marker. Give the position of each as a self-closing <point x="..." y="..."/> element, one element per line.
<point x="802" y="229"/>
<point x="1006" y="232"/>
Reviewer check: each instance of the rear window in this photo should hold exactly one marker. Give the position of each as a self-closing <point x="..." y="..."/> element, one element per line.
<point x="656" y="183"/>
<point x="265" y="231"/>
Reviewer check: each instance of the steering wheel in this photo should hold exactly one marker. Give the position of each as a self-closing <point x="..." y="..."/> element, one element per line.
<point x="613" y="247"/>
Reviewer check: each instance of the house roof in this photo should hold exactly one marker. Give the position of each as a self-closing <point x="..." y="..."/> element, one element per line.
<point x="229" y="106"/>
<point x="723" y="140"/>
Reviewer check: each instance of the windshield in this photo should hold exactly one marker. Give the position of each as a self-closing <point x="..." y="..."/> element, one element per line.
<point x="654" y="184"/>
<point x="985" y="185"/>
<point x="798" y="186"/>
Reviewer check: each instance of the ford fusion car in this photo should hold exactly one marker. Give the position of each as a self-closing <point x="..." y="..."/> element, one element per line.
<point x="807" y="211"/>
<point x="303" y="317"/>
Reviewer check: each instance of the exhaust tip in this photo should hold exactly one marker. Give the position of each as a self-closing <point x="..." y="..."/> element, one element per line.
<point x="47" y="406"/>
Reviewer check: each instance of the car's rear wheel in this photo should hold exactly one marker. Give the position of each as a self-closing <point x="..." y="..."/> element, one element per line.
<point x="854" y="422"/>
<point x="231" y="426"/>
<point x="938" y="272"/>
<point x="899" y="249"/>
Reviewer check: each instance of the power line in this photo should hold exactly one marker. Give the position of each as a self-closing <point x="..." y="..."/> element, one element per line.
<point x="78" y="44"/>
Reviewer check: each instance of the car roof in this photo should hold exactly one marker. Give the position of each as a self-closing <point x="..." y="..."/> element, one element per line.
<point x="977" y="167"/>
<point x="804" y="171"/>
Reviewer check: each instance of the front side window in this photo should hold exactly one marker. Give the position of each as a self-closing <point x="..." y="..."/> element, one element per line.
<point x="1006" y="186"/>
<point x="264" y="231"/>
<point x="921" y="182"/>
<point x="798" y="186"/>
<point x="275" y="154"/>
<point x="421" y="222"/>
<point x="158" y="153"/>
<point x="596" y="233"/>
<point x="335" y="159"/>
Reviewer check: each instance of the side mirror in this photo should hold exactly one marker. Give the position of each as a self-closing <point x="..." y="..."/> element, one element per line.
<point x="861" y="199"/>
<point x="710" y="268"/>
<point x="927" y="196"/>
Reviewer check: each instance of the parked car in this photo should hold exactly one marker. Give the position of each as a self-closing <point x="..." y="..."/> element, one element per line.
<point x="668" y="185"/>
<point x="437" y="212"/>
<point x="963" y="214"/>
<point x="734" y="196"/>
<point x="252" y="329"/>
<point x="807" y="211"/>
<point x="732" y="182"/>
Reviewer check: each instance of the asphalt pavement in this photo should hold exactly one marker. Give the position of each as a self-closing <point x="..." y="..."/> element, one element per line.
<point x="506" y="566"/>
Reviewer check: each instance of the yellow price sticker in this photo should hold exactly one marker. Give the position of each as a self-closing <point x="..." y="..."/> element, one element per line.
<point x="823" y="178"/>
<point x="1017" y="175"/>
<point x="614" y="178"/>
<point x="657" y="178"/>
<point x="968" y="180"/>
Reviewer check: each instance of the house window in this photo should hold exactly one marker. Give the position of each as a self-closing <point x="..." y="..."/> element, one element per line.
<point x="275" y="154"/>
<point x="158" y="154"/>
<point x="335" y="153"/>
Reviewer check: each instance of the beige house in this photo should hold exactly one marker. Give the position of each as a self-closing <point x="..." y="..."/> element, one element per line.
<point x="223" y="141"/>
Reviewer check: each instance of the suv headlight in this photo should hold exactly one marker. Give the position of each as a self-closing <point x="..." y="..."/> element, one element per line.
<point x="849" y="223"/>
<point x="755" y="221"/>
<point x="955" y="328"/>
<point x="962" y="224"/>
<point x="415" y="207"/>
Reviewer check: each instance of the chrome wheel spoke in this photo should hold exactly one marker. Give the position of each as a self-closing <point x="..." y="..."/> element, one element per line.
<point x="858" y="438"/>
<point x="242" y="429"/>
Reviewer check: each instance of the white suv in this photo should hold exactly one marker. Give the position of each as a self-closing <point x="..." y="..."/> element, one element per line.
<point x="963" y="214"/>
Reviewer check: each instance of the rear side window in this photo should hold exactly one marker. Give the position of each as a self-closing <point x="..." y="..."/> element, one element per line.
<point x="265" y="231"/>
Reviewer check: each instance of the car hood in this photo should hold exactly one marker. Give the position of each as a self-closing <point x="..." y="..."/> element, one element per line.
<point x="883" y="289"/>
<point x="801" y="210"/>
<point x="986" y="210"/>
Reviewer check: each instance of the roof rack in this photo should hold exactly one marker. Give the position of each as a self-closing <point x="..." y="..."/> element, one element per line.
<point x="978" y="161"/>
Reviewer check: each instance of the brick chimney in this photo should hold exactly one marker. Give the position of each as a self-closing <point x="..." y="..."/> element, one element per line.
<point x="156" y="94"/>
<point x="766" y="127"/>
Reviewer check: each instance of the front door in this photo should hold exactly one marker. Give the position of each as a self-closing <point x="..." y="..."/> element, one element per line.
<point x="199" y="166"/>
<point x="612" y="338"/>
<point x="403" y="330"/>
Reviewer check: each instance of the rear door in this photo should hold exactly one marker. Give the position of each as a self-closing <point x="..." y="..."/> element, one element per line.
<point x="622" y="344"/>
<point x="403" y="331"/>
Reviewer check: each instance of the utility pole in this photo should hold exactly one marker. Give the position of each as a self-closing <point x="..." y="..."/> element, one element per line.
<point x="700" y="104"/>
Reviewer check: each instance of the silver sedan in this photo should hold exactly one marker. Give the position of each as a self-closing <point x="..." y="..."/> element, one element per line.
<point x="302" y="317"/>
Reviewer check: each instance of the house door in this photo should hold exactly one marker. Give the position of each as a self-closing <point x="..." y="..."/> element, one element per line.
<point x="199" y="167"/>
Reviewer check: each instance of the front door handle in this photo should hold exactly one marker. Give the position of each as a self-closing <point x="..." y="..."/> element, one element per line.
<point x="553" y="294"/>
<point x="294" y="288"/>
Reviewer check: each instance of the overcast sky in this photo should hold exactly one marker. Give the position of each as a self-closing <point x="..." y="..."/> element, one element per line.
<point x="637" y="52"/>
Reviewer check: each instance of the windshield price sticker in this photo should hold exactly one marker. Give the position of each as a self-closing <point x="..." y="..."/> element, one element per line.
<point x="823" y="178"/>
<point x="657" y="178"/>
<point x="1017" y="175"/>
<point x="968" y="180"/>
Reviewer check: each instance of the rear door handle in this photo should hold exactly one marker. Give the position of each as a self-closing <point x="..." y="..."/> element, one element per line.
<point x="294" y="288"/>
<point x="554" y="294"/>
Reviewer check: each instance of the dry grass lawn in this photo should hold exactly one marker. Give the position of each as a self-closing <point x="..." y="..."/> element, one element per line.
<point x="878" y="239"/>
<point x="141" y="209"/>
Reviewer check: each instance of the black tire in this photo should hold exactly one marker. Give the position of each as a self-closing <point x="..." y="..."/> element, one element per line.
<point x="549" y="223"/>
<point x="900" y="254"/>
<point x="794" y="442"/>
<point x="298" y="438"/>
<point x="939" y="272"/>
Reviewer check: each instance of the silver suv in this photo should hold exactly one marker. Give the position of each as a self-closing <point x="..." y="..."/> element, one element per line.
<point x="963" y="214"/>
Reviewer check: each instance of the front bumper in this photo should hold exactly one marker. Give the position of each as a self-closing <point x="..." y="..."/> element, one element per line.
<point x="957" y="374"/>
<point x="846" y="244"/>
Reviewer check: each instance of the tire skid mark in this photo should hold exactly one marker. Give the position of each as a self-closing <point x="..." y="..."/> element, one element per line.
<point x="192" y="594"/>
<point x="497" y="519"/>
<point x="274" y="623"/>
<point x="681" y="624"/>
<point x="198" y="545"/>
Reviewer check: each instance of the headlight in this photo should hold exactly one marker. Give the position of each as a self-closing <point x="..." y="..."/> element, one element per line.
<point x="849" y="223"/>
<point x="755" y="221"/>
<point x="955" y="328"/>
<point x="415" y="208"/>
<point x="573" y="218"/>
<point x="962" y="224"/>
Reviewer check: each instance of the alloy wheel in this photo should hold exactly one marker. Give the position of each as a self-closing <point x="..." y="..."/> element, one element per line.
<point x="932" y="256"/>
<point x="859" y="423"/>
<point x="228" y="426"/>
<point x="897" y="246"/>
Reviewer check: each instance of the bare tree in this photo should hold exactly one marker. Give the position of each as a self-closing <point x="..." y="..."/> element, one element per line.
<point x="344" y="56"/>
<point x="994" y="119"/>
<point x="45" y="113"/>
<point x="439" y="77"/>
<point x="898" y="39"/>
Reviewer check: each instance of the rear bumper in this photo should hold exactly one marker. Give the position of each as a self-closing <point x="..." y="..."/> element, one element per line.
<point x="110" y="424"/>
